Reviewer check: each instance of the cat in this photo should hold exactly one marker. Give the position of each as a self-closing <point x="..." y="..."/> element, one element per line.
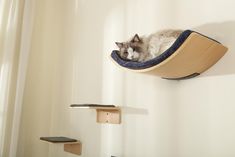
<point x="144" y="48"/>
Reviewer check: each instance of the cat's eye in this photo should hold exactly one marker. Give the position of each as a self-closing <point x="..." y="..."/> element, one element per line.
<point x="125" y="53"/>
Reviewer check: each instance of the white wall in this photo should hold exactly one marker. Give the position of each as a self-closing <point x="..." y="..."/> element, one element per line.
<point x="205" y="123"/>
<point x="69" y="64"/>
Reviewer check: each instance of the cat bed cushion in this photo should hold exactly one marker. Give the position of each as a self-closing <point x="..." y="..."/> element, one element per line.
<point x="143" y="65"/>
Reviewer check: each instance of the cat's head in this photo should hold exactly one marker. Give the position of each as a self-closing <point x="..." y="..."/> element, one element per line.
<point x="133" y="49"/>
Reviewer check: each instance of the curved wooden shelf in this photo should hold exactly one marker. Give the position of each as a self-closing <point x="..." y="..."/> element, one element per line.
<point x="194" y="56"/>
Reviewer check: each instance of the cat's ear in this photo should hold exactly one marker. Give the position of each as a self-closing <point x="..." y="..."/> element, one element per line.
<point x="136" y="38"/>
<point x="120" y="45"/>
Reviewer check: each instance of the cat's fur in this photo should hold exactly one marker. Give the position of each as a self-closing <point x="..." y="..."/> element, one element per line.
<point x="144" y="48"/>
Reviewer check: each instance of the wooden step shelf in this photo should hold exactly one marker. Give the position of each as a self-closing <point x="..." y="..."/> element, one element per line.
<point x="70" y="145"/>
<point x="105" y="113"/>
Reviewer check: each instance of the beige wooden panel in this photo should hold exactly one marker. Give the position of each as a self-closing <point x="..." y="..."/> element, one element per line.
<point x="74" y="148"/>
<point x="108" y="116"/>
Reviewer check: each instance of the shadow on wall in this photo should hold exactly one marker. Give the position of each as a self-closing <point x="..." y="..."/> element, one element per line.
<point x="224" y="33"/>
<point x="135" y="111"/>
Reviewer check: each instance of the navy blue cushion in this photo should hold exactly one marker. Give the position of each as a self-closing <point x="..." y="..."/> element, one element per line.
<point x="143" y="65"/>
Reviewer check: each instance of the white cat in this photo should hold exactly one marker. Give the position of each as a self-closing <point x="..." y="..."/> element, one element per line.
<point x="144" y="48"/>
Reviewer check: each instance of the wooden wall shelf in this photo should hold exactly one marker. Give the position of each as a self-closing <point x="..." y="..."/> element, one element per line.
<point x="70" y="145"/>
<point x="105" y="113"/>
<point x="194" y="56"/>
